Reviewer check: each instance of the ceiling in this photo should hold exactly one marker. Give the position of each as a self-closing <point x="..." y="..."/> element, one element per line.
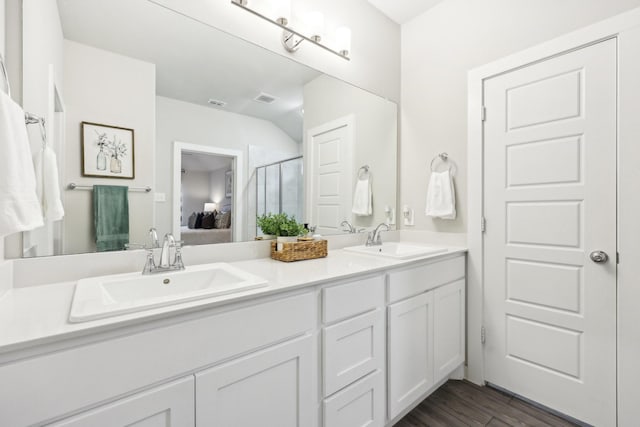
<point x="194" y="62"/>
<point x="403" y="11"/>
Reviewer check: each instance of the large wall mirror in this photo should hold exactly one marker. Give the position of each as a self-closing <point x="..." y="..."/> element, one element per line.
<point x="136" y="95"/>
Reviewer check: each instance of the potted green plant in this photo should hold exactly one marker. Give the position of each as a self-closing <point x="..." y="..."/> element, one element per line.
<point x="269" y="225"/>
<point x="283" y="226"/>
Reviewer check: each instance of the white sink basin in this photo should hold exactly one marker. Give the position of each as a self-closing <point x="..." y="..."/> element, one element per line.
<point x="106" y="296"/>
<point x="397" y="250"/>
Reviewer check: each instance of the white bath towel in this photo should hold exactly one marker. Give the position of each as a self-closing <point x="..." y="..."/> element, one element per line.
<point x="362" y="198"/>
<point x="19" y="206"/>
<point x="441" y="196"/>
<point x="47" y="184"/>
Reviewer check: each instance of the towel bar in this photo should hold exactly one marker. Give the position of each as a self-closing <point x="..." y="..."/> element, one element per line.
<point x="74" y="186"/>
<point x="31" y="119"/>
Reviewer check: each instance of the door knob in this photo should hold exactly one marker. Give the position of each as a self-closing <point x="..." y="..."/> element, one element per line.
<point x="599" y="257"/>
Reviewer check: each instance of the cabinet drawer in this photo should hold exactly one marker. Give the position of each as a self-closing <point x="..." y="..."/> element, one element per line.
<point x="406" y="283"/>
<point x="352" y="349"/>
<point x="361" y="404"/>
<point x="344" y="301"/>
<point x="168" y="405"/>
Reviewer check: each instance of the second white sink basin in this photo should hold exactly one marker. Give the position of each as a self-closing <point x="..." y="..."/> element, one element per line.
<point x="106" y="296"/>
<point x="397" y="250"/>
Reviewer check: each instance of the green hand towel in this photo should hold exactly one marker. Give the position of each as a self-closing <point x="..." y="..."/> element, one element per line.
<point x="111" y="217"/>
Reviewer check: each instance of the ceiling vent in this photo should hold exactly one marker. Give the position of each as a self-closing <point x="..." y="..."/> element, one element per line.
<point x="265" y="98"/>
<point x="217" y="103"/>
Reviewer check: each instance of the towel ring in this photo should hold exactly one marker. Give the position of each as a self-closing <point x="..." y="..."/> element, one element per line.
<point x="30" y="119"/>
<point x="363" y="170"/>
<point x="444" y="158"/>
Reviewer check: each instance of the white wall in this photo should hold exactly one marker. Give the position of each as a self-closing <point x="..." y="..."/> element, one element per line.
<point x="103" y="87"/>
<point x="5" y="267"/>
<point x="43" y="46"/>
<point x="2" y="26"/>
<point x="196" y="190"/>
<point x="43" y="63"/>
<point x="217" y="191"/>
<point x="13" y="57"/>
<point x="13" y="46"/>
<point x="376" y="134"/>
<point x="184" y="122"/>
<point x="438" y="49"/>
<point x="375" y="59"/>
<point x="629" y="230"/>
<point x="2" y="52"/>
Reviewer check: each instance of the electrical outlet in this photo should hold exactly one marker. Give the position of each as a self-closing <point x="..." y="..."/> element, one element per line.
<point x="407" y="215"/>
<point x="390" y="215"/>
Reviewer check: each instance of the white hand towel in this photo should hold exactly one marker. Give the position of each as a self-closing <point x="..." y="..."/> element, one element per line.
<point x="19" y="207"/>
<point x="362" y="196"/>
<point x="47" y="185"/>
<point x="441" y="196"/>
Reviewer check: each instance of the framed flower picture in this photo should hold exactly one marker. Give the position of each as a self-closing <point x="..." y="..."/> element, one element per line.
<point x="107" y="151"/>
<point x="228" y="184"/>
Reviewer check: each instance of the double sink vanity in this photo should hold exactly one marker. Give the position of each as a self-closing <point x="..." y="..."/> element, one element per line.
<point x="357" y="338"/>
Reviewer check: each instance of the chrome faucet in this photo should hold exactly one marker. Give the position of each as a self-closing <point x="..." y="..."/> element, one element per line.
<point x="166" y="262"/>
<point x="153" y="236"/>
<point x="350" y="228"/>
<point x="167" y="244"/>
<point x="375" y="238"/>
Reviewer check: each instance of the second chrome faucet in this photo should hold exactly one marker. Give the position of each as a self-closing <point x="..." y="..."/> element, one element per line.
<point x="167" y="261"/>
<point x="375" y="237"/>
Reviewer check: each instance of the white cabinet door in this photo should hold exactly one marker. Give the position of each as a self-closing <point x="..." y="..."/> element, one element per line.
<point x="359" y="405"/>
<point x="270" y="388"/>
<point x="410" y="351"/>
<point x="165" y="406"/>
<point x="449" y="327"/>
<point x="352" y="349"/>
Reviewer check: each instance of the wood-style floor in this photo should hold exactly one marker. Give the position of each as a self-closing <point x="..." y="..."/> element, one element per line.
<point x="461" y="403"/>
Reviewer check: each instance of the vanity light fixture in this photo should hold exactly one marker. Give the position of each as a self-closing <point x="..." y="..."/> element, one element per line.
<point x="292" y="39"/>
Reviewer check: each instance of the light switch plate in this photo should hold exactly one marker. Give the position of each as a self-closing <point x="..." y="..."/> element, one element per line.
<point x="407" y="215"/>
<point x="160" y="197"/>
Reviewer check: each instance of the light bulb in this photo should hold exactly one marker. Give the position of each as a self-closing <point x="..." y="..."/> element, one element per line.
<point x="343" y="39"/>
<point x="315" y="22"/>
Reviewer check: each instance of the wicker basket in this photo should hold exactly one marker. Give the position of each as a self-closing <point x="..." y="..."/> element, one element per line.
<point x="299" y="251"/>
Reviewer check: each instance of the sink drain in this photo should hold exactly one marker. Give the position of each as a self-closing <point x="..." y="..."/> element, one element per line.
<point x="166" y="281"/>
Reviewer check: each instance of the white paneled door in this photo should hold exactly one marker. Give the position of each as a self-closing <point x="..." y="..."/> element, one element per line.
<point x="550" y="208"/>
<point x="330" y="175"/>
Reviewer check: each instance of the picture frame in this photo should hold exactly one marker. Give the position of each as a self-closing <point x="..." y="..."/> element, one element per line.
<point x="228" y="183"/>
<point x="107" y="151"/>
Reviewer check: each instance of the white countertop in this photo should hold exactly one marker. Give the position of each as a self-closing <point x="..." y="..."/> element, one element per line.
<point x="38" y="315"/>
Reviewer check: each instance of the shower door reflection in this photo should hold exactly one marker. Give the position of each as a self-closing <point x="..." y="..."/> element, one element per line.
<point x="280" y="189"/>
